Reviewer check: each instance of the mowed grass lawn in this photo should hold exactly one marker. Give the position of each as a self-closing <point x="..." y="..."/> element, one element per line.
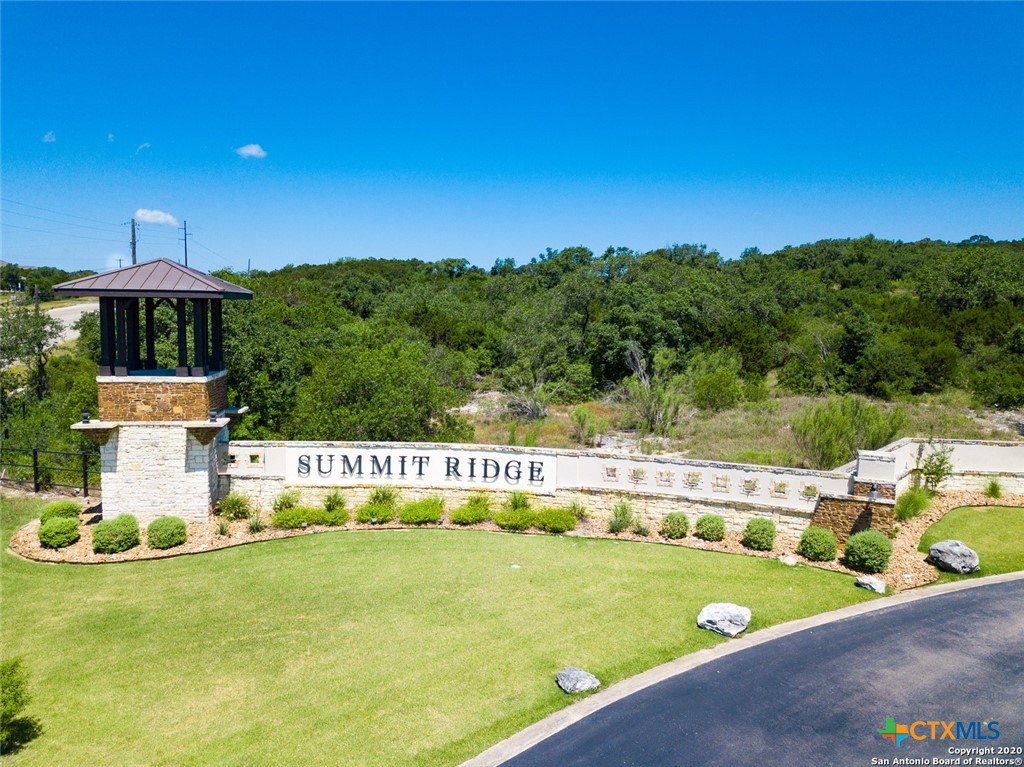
<point x="418" y="647"/>
<point x="995" y="532"/>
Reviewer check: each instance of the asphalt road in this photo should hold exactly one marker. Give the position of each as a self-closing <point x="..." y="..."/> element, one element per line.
<point x="820" y="696"/>
<point x="68" y="316"/>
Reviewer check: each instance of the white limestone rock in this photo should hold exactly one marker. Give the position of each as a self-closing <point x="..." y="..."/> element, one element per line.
<point x="871" y="583"/>
<point x="725" y="618"/>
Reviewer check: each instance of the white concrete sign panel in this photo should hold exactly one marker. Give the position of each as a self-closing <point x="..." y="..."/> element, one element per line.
<point x="346" y="466"/>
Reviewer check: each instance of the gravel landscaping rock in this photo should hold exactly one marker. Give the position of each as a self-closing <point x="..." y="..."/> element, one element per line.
<point x="573" y="680"/>
<point x="954" y="556"/>
<point x="725" y="618"/>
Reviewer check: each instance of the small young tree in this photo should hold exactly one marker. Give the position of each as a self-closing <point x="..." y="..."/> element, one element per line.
<point x="936" y="467"/>
<point x="14" y="697"/>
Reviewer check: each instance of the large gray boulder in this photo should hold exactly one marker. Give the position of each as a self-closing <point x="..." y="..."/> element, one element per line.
<point x="572" y="679"/>
<point x="725" y="618"/>
<point x="954" y="557"/>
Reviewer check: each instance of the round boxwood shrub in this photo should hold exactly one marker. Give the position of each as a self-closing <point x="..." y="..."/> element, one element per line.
<point x="818" y="545"/>
<point x="759" y="534"/>
<point x="710" y="527"/>
<point x="426" y="511"/>
<point x="166" y="533"/>
<point x="475" y="510"/>
<point x="868" y="551"/>
<point x="555" y="520"/>
<point x="58" y="532"/>
<point x="675" y="525"/>
<point x="66" y="509"/>
<point x="114" y="535"/>
<point x="513" y="518"/>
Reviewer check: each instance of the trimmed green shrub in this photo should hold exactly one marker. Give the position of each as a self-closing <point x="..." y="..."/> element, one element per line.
<point x="114" y="535"/>
<point x="710" y="527"/>
<point x="288" y="499"/>
<point x="513" y="518"/>
<point x="288" y="519"/>
<point x="66" y="509"/>
<point x="912" y="503"/>
<point x="818" y="545"/>
<point x="234" y="506"/>
<point x="58" y="532"/>
<point x="675" y="525"/>
<point x="993" y="489"/>
<point x="375" y="513"/>
<point x="426" y="511"/>
<point x="166" y="533"/>
<point x="14" y="697"/>
<point x="555" y="520"/>
<point x="868" y="551"/>
<point x="622" y="517"/>
<point x="759" y="534"/>
<point x="475" y="510"/>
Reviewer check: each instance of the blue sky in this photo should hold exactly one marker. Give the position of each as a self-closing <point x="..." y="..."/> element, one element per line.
<point x="493" y="130"/>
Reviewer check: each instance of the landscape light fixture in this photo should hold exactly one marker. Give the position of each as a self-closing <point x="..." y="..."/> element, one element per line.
<point x="213" y="415"/>
<point x="873" y="494"/>
<point x="86" y="415"/>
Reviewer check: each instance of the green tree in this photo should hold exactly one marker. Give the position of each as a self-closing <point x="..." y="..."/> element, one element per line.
<point x="397" y="392"/>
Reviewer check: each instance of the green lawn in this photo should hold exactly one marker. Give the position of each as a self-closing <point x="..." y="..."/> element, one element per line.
<point x="995" y="532"/>
<point x="418" y="647"/>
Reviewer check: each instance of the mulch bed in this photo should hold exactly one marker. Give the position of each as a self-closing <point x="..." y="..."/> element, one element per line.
<point x="907" y="568"/>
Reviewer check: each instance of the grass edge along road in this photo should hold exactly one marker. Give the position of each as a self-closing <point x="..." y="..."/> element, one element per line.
<point x="414" y="647"/>
<point x="995" y="532"/>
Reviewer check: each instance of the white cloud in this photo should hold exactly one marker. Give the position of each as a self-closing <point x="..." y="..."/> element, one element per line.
<point x="155" y="217"/>
<point x="49" y="137"/>
<point x="110" y="138"/>
<point x="145" y="145"/>
<point x="251" y="150"/>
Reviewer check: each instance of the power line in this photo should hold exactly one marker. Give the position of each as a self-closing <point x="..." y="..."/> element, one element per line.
<point x="62" y="234"/>
<point x="58" y="212"/>
<point x="52" y="220"/>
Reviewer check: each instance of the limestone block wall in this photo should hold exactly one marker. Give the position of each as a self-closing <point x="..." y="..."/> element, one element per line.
<point x="156" y="470"/>
<point x="974" y="462"/>
<point x="262" y="489"/>
<point x="846" y="515"/>
<point x="161" y="398"/>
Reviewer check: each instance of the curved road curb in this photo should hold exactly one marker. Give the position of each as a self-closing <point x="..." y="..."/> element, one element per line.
<point x="535" y="733"/>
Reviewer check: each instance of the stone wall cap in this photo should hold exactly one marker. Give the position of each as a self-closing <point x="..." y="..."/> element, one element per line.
<point x="161" y="379"/>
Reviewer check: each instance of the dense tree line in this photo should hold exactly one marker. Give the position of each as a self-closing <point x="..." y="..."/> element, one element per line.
<point x="385" y="349"/>
<point x="885" y="319"/>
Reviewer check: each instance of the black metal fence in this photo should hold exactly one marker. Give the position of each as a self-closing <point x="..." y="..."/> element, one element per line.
<point x="45" y="469"/>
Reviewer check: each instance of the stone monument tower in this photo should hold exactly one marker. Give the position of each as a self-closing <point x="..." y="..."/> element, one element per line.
<point x="159" y="429"/>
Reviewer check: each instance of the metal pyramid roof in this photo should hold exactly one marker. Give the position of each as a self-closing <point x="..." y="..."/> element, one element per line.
<point x="159" y="278"/>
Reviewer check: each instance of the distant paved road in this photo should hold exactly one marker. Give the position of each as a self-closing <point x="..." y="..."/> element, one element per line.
<point x="819" y="697"/>
<point x="68" y="316"/>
